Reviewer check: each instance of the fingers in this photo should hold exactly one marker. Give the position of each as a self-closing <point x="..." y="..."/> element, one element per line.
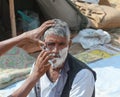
<point x="38" y="32"/>
<point x="46" y="25"/>
<point x="47" y="66"/>
<point x="45" y="55"/>
<point x="43" y="58"/>
<point x="42" y="64"/>
<point x="39" y="42"/>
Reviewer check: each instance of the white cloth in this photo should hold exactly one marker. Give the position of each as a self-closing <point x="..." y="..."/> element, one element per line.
<point x="82" y="86"/>
<point x="89" y="38"/>
<point x="108" y="80"/>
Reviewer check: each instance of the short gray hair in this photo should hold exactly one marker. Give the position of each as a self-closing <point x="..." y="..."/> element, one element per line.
<point x="60" y="29"/>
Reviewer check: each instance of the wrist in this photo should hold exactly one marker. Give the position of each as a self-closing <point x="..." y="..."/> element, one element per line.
<point x="24" y="36"/>
<point x="35" y="76"/>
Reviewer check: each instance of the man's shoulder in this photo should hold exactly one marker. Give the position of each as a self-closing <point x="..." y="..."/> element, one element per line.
<point x="77" y="65"/>
<point x="71" y="58"/>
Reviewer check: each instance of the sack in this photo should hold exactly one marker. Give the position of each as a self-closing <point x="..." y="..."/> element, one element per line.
<point x="100" y="16"/>
<point x="64" y="10"/>
<point x="104" y="2"/>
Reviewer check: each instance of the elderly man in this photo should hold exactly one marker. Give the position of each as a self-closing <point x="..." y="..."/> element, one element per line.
<point x="66" y="76"/>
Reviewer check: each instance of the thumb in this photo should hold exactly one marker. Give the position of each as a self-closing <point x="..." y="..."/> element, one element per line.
<point x="41" y="43"/>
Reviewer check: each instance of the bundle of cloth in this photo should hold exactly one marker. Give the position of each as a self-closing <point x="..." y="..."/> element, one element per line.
<point x="89" y="38"/>
<point x="15" y="65"/>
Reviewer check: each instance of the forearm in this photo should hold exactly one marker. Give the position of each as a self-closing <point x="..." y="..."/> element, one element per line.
<point x="41" y="66"/>
<point x="24" y="90"/>
<point x="34" y="34"/>
<point x="9" y="43"/>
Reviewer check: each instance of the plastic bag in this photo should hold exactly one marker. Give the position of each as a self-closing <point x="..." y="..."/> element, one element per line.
<point x="29" y="20"/>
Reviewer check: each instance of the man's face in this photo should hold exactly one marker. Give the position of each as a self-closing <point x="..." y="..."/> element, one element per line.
<point x="60" y="46"/>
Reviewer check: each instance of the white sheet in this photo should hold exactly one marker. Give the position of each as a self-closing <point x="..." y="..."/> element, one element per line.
<point x="107" y="83"/>
<point x="10" y="89"/>
<point x="108" y="77"/>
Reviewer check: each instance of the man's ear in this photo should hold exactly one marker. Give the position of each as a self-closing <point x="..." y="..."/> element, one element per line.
<point x="70" y="43"/>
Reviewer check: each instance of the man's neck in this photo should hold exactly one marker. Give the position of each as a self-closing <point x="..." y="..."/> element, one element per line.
<point x="53" y="73"/>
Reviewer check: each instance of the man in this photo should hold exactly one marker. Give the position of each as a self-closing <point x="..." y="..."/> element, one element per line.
<point x="66" y="77"/>
<point x="57" y="73"/>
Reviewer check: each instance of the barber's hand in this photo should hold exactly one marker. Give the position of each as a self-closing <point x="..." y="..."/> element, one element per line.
<point x="44" y="27"/>
<point x="42" y="64"/>
<point x="38" y="32"/>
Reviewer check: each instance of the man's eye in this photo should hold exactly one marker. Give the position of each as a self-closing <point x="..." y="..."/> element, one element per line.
<point x="62" y="44"/>
<point x="51" y="44"/>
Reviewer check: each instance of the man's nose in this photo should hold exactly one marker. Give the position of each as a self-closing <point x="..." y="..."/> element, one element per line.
<point x="56" y="48"/>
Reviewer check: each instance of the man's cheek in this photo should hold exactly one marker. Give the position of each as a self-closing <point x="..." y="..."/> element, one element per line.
<point x="63" y="52"/>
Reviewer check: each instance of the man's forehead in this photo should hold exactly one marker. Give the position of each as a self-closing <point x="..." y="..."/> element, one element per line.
<point x="55" y="37"/>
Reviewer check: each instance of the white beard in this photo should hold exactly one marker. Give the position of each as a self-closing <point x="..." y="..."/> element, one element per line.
<point x="59" y="61"/>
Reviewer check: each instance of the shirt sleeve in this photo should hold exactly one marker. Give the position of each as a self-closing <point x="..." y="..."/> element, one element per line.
<point x="83" y="84"/>
<point x="32" y="92"/>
